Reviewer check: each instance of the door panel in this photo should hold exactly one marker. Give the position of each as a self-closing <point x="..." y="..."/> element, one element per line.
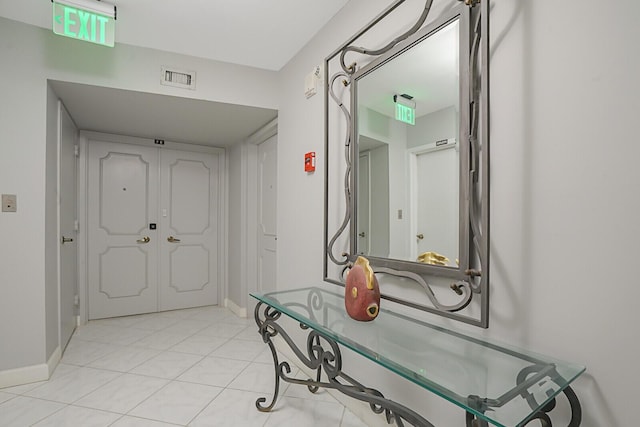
<point x="189" y="192"/>
<point x="267" y="199"/>
<point x="67" y="217"/>
<point x="189" y="234"/>
<point x="122" y="201"/>
<point x="189" y="268"/>
<point x="117" y="282"/>
<point x="123" y="186"/>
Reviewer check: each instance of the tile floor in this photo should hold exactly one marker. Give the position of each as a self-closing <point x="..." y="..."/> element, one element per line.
<point x="195" y="367"/>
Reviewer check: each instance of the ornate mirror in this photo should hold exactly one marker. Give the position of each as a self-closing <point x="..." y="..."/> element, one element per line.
<point x="407" y="161"/>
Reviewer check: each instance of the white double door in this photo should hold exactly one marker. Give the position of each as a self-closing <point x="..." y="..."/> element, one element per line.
<point x="152" y="229"/>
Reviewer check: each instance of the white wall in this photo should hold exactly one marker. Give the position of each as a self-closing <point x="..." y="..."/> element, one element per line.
<point x="383" y="128"/>
<point x="234" y="256"/>
<point x="379" y="213"/>
<point x="564" y="205"/>
<point x="435" y="126"/>
<point x="30" y="56"/>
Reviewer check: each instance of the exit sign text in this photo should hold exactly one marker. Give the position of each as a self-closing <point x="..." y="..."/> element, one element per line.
<point x="83" y="25"/>
<point x="405" y="114"/>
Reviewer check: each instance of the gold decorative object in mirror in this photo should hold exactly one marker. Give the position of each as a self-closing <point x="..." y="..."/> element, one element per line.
<point x="433" y="258"/>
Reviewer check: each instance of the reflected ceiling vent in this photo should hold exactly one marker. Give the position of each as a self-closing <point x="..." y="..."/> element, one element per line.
<point x="178" y="78"/>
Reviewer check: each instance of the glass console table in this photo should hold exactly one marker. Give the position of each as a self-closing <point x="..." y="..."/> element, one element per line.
<point x="495" y="384"/>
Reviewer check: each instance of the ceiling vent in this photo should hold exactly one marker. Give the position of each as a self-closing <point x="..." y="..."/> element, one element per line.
<point x="178" y="78"/>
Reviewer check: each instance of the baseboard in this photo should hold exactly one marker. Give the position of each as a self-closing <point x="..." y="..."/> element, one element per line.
<point x="237" y="310"/>
<point x="30" y="374"/>
<point x="53" y="361"/>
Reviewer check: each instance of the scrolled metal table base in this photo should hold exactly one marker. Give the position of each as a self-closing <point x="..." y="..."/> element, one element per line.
<point x="323" y="353"/>
<point x="543" y="414"/>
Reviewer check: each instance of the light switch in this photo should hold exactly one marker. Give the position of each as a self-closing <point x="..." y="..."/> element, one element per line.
<point x="9" y="203"/>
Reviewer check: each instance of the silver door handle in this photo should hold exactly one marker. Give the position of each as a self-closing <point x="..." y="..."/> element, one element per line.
<point x="66" y="240"/>
<point x="144" y="240"/>
<point x="172" y="239"/>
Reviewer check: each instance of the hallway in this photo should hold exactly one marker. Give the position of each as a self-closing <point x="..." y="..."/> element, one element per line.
<point x="194" y="367"/>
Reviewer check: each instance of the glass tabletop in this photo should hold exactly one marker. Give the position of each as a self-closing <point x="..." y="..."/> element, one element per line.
<point x="501" y="384"/>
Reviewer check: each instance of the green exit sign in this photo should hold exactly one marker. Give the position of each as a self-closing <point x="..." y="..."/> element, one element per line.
<point x="83" y="24"/>
<point x="405" y="114"/>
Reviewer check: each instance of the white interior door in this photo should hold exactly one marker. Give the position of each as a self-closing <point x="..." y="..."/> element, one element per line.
<point x="437" y="215"/>
<point x="267" y="202"/>
<point x="67" y="214"/>
<point x="189" y="229"/>
<point x="122" y="250"/>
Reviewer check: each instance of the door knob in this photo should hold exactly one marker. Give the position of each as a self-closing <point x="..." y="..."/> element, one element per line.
<point x="145" y="239"/>
<point x="172" y="239"/>
<point x="361" y="234"/>
<point x="66" y="240"/>
<point x="420" y="236"/>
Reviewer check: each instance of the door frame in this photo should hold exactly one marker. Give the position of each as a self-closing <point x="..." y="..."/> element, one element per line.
<point x="62" y="110"/>
<point x="85" y="137"/>
<point x="364" y="156"/>
<point x="249" y="233"/>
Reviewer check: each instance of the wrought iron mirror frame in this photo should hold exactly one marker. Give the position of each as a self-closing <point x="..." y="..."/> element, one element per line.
<point x="472" y="276"/>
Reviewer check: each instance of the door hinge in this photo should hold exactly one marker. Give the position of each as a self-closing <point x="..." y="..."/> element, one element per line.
<point x="76" y="150"/>
<point x="76" y="225"/>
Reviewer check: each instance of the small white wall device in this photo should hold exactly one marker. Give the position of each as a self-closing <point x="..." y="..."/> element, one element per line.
<point x="312" y="81"/>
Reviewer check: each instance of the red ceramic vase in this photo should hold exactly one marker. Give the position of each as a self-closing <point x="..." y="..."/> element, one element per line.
<point x="362" y="292"/>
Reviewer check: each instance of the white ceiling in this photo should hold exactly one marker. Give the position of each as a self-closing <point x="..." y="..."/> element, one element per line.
<point x="428" y="72"/>
<point x="148" y="115"/>
<point x="255" y="33"/>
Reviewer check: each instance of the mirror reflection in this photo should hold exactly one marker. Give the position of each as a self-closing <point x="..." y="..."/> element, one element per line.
<point x="408" y="116"/>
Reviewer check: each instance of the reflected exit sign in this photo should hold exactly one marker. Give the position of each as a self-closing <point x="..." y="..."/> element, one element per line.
<point x="83" y="24"/>
<point x="405" y="114"/>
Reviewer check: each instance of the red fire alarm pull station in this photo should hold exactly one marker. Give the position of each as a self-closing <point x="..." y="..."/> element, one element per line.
<point x="310" y="161"/>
